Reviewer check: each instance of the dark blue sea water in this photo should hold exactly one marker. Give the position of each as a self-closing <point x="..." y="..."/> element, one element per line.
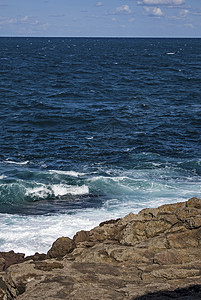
<point x="94" y="128"/>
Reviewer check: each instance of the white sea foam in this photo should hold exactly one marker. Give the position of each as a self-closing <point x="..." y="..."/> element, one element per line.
<point x="107" y="178"/>
<point x="126" y="191"/>
<point x="30" y="234"/>
<point x="3" y="176"/>
<point x="68" y="173"/>
<point x="61" y="190"/>
<point x="43" y="191"/>
<point x="170" y="53"/>
<point x="17" y="162"/>
<point x="36" y="233"/>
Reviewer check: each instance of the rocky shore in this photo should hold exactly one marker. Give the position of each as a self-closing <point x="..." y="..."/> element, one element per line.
<point x="155" y="254"/>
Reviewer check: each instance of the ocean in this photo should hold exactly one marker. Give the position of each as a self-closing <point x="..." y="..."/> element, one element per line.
<point x="93" y="129"/>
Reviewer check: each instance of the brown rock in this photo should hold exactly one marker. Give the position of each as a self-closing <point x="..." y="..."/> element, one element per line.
<point x="186" y="213"/>
<point x="3" y="290"/>
<point x="172" y="274"/>
<point x="168" y="257"/>
<point x="10" y="258"/>
<point x="2" y="264"/>
<point x="194" y="202"/>
<point x="37" y="256"/>
<point x="156" y="251"/>
<point x="112" y="221"/>
<point x="48" y="266"/>
<point x="61" y="247"/>
<point x="193" y="222"/>
<point x="81" y="236"/>
<point x="185" y="239"/>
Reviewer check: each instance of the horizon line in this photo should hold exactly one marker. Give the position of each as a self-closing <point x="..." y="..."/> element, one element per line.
<point x="118" y="37"/>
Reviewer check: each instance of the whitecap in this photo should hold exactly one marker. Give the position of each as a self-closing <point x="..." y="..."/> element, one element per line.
<point x="16" y="162"/>
<point x="3" y="176"/>
<point x="39" y="192"/>
<point x="61" y="190"/>
<point x="55" y="190"/>
<point x="128" y="149"/>
<point x="170" y="53"/>
<point x="68" y="173"/>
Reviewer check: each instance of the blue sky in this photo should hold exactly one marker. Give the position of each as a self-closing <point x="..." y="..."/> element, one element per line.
<point x="115" y="18"/>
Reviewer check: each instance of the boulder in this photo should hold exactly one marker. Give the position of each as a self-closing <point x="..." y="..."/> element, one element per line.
<point x="61" y="247"/>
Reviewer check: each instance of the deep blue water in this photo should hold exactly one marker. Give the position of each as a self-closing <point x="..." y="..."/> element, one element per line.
<point x="93" y="128"/>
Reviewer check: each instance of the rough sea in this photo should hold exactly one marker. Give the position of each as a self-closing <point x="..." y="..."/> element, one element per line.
<point x="93" y="129"/>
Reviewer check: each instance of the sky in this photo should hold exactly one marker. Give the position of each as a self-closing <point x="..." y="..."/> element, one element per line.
<point x="105" y="18"/>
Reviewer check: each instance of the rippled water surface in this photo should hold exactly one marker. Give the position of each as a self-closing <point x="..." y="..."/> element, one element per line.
<point x="93" y="129"/>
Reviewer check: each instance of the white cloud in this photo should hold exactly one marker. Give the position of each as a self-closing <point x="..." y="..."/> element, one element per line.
<point x="124" y="9"/>
<point x="28" y="20"/>
<point x="157" y="12"/>
<point x="184" y="12"/>
<point x="6" y="21"/>
<point x="99" y="3"/>
<point x="25" y="19"/>
<point x="45" y="26"/>
<point x="161" y="2"/>
<point x="189" y="25"/>
<point x="35" y="22"/>
<point x="186" y="25"/>
<point x="10" y="21"/>
<point x="154" y="11"/>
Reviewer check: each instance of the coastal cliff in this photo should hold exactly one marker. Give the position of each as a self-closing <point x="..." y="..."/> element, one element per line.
<point x="155" y="254"/>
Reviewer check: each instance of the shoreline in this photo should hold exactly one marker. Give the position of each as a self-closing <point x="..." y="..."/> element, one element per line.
<point x="147" y="254"/>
